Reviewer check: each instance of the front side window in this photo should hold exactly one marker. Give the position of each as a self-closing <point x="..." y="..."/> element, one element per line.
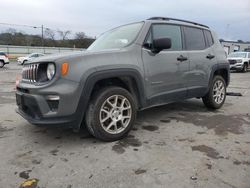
<point x="194" y="38"/>
<point x="165" y="31"/>
<point x="117" y="38"/>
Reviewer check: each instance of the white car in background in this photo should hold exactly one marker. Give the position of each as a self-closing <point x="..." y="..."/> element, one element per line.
<point x="22" y="60"/>
<point x="3" y="59"/>
<point x="239" y="61"/>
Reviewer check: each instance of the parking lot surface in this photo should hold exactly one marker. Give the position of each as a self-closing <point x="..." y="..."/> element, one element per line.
<point x="177" y="145"/>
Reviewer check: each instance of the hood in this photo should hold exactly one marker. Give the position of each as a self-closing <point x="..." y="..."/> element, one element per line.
<point x="68" y="56"/>
<point x="234" y="58"/>
<point x="22" y="57"/>
<point x="55" y="57"/>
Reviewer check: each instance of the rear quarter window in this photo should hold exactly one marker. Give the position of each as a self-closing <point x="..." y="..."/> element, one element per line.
<point x="209" y="38"/>
<point x="194" y="38"/>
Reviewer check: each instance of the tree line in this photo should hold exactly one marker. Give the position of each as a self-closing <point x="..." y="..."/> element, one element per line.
<point x="51" y="38"/>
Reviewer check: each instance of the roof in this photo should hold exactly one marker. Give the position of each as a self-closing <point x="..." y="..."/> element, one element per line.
<point x="174" y="20"/>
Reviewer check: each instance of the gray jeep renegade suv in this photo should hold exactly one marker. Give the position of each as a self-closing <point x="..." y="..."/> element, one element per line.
<point x="129" y="68"/>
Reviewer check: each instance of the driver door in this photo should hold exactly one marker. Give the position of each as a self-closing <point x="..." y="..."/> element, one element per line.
<point x="165" y="71"/>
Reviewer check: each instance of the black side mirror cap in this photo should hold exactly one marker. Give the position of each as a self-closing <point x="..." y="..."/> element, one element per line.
<point x="161" y="44"/>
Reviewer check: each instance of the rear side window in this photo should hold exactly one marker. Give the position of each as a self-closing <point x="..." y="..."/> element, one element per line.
<point x="194" y="38"/>
<point x="209" y="38"/>
<point x="165" y="31"/>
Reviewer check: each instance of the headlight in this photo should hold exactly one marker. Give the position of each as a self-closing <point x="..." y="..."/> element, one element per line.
<point x="239" y="60"/>
<point x="51" y="70"/>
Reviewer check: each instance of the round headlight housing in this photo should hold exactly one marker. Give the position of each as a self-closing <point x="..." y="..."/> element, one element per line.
<point x="51" y="70"/>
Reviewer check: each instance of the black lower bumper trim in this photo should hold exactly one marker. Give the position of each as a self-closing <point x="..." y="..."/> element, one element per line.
<point x="60" y="122"/>
<point x="29" y="110"/>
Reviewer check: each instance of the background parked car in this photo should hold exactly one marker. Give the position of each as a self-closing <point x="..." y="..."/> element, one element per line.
<point x="239" y="61"/>
<point x="22" y="60"/>
<point x="3" y="59"/>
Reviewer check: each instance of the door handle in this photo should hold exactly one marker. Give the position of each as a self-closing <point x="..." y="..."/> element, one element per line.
<point x="209" y="56"/>
<point x="182" y="58"/>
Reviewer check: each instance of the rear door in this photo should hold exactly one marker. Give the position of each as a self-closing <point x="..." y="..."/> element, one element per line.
<point x="165" y="74"/>
<point x="198" y="43"/>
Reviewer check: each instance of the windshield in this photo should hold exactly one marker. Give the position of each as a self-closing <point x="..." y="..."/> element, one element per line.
<point x="238" y="54"/>
<point x="117" y="38"/>
<point x="32" y="55"/>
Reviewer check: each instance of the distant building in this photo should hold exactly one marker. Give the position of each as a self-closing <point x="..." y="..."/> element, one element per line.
<point x="233" y="46"/>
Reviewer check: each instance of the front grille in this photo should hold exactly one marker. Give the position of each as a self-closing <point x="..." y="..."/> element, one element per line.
<point x="30" y="73"/>
<point x="231" y="61"/>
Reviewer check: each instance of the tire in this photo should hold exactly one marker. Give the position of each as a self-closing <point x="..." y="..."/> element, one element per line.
<point x="210" y="100"/>
<point x="116" y="122"/>
<point x="24" y="62"/>
<point x="1" y="64"/>
<point x="244" y="69"/>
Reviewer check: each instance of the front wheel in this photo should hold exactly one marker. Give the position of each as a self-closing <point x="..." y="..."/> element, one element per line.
<point x="244" y="69"/>
<point x="1" y="64"/>
<point x="216" y="95"/>
<point x="24" y="61"/>
<point x="111" y="114"/>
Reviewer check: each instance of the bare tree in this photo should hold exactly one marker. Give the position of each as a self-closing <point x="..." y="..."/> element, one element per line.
<point x="63" y="34"/>
<point x="50" y="34"/>
<point x="11" y="31"/>
<point x="80" y="35"/>
<point x="51" y="37"/>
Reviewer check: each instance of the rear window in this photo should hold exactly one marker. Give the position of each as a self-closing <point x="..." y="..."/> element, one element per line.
<point x="194" y="38"/>
<point x="2" y="53"/>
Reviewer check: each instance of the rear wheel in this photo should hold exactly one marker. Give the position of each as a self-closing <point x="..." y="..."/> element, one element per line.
<point x="1" y="64"/>
<point x="216" y="95"/>
<point x="111" y="114"/>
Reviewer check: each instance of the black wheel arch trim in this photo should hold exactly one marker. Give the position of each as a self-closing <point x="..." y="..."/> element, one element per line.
<point x="220" y="66"/>
<point x="93" y="78"/>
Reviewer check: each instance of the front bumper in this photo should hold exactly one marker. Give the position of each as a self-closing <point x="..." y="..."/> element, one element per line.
<point x="236" y="67"/>
<point x="36" y="108"/>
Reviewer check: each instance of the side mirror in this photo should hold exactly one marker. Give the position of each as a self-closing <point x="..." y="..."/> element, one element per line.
<point x="161" y="44"/>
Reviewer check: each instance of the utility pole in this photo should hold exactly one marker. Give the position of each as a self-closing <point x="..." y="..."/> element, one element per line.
<point x="43" y="40"/>
<point x="227" y="31"/>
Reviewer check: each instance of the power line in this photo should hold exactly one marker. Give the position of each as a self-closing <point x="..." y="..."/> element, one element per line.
<point x="30" y="26"/>
<point x="20" y="25"/>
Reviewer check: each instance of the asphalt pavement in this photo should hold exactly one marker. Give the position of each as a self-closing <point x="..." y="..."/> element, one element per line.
<point x="177" y="145"/>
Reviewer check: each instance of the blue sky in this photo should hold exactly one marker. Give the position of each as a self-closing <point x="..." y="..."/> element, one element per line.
<point x="229" y="18"/>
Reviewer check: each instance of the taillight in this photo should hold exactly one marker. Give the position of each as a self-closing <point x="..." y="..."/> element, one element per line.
<point x="6" y="56"/>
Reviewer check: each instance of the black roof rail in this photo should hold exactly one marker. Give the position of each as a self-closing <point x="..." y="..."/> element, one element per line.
<point x="175" y="19"/>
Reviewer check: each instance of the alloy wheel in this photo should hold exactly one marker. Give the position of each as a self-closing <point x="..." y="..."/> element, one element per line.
<point x="115" y="114"/>
<point x="218" y="92"/>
